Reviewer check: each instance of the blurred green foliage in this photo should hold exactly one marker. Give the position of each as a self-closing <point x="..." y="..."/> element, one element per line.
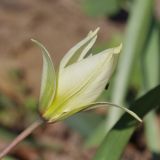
<point x="102" y="7"/>
<point x="137" y="72"/>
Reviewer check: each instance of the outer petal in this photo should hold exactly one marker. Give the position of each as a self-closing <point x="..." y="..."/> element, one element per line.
<point x="101" y="104"/>
<point x="109" y="104"/>
<point x="74" y="54"/>
<point x="48" y="82"/>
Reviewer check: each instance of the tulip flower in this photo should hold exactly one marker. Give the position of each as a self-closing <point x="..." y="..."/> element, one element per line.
<point x="75" y="87"/>
<point x="80" y="80"/>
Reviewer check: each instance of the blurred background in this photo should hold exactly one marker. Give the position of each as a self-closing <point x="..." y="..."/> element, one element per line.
<point x="60" y="24"/>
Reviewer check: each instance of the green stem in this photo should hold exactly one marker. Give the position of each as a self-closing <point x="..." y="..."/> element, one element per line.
<point x="20" y="137"/>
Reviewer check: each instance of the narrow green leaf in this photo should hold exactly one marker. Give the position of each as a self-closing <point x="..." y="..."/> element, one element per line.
<point x="117" y="138"/>
<point x="136" y="36"/>
<point x="150" y="71"/>
<point x="152" y="133"/>
<point x="48" y="82"/>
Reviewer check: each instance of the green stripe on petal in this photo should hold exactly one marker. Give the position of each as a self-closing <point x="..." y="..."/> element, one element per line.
<point x="64" y="114"/>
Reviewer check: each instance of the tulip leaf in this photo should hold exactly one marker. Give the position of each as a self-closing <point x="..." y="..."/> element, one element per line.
<point x="138" y="28"/>
<point x="48" y="82"/>
<point x="116" y="140"/>
<point x="149" y="63"/>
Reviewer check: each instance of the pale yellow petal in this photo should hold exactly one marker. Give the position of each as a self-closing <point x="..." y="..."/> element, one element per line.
<point x="81" y="83"/>
<point x="48" y="82"/>
<point x="82" y="47"/>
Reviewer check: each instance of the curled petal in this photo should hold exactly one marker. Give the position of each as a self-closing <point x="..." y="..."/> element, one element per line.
<point x="109" y="104"/>
<point x="65" y="114"/>
<point x="74" y="54"/>
<point x="87" y="48"/>
<point x="48" y="82"/>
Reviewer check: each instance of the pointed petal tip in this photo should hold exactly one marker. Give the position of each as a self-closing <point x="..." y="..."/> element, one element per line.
<point x="135" y="116"/>
<point x="94" y="32"/>
<point x="97" y="29"/>
<point x="32" y="39"/>
<point x="36" y="42"/>
<point x="118" y="49"/>
<point x="96" y="104"/>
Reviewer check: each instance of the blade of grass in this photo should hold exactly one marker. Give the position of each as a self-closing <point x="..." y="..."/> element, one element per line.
<point x="117" y="138"/>
<point x="136" y="36"/>
<point x="150" y="60"/>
